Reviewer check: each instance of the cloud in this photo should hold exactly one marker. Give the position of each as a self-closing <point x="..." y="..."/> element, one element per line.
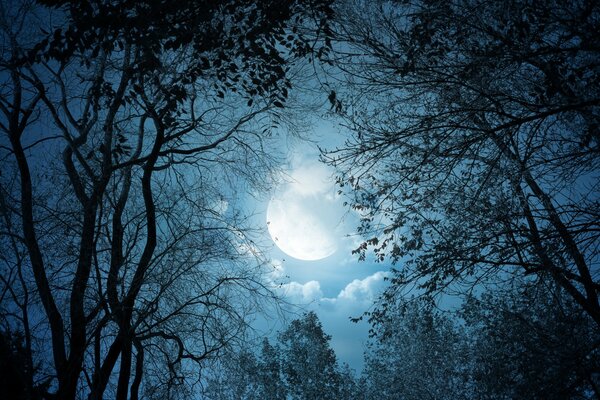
<point x="276" y="272"/>
<point x="348" y="338"/>
<point x="302" y="293"/>
<point x="357" y="294"/>
<point x="365" y="290"/>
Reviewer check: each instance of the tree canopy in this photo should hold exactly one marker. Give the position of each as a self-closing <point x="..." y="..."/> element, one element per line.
<point x="474" y="156"/>
<point x="524" y="342"/>
<point x="126" y="127"/>
<point x="300" y="365"/>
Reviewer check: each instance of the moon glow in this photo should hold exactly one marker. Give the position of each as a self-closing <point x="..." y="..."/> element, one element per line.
<point x="302" y="218"/>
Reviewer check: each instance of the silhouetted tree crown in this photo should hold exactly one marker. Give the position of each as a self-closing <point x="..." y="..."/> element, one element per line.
<point x="474" y="154"/>
<point x="146" y="113"/>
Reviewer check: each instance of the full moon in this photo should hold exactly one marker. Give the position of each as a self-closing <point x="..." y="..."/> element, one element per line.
<point x="303" y="215"/>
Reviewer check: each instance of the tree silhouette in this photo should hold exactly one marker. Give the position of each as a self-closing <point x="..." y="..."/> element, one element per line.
<point x="474" y="156"/>
<point x="529" y="341"/>
<point x="416" y="353"/>
<point x="300" y="365"/>
<point x="121" y="122"/>
<point x="309" y="364"/>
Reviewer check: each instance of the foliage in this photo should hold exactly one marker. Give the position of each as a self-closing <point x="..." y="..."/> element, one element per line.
<point x="301" y="365"/>
<point x="13" y="366"/>
<point x="417" y="353"/>
<point x="244" y="44"/>
<point x="531" y="343"/>
<point x="128" y="127"/>
<point x="474" y="156"/>
<point x="513" y="343"/>
<point x="309" y="364"/>
<point x="269" y="378"/>
<point x="233" y="377"/>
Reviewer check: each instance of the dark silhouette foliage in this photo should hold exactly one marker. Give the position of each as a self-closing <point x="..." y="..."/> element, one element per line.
<point x="525" y="342"/>
<point x="117" y="118"/>
<point x="300" y="365"/>
<point x="474" y="155"/>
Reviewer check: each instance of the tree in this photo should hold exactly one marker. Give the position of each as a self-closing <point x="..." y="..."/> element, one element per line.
<point x="474" y="156"/>
<point x="523" y="342"/>
<point x="531" y="342"/>
<point x="234" y="376"/>
<point x="301" y="365"/>
<point x="13" y="366"/>
<point x="121" y="122"/>
<point x="417" y="353"/>
<point x="246" y="375"/>
<point x="309" y="365"/>
<point x="270" y="380"/>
